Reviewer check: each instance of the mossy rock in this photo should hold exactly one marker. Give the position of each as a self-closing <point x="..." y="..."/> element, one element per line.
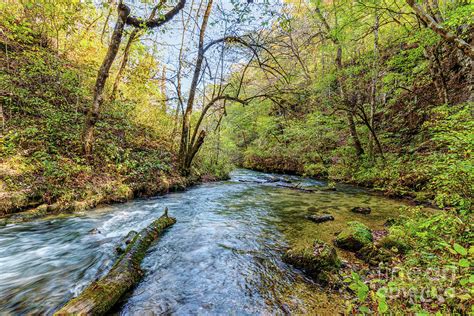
<point x="395" y="241"/>
<point x="373" y="254"/>
<point x="354" y="237"/>
<point x="317" y="260"/>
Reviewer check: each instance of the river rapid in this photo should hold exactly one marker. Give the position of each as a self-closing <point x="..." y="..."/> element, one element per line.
<point x="223" y="256"/>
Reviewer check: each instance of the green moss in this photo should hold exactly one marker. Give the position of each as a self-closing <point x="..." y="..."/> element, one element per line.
<point x="354" y="237"/>
<point x="317" y="260"/>
<point x="396" y="240"/>
<point x="374" y="254"/>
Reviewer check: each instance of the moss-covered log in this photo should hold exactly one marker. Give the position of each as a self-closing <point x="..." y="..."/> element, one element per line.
<point x="102" y="295"/>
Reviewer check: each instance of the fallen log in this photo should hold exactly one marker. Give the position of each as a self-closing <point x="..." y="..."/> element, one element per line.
<point x="99" y="297"/>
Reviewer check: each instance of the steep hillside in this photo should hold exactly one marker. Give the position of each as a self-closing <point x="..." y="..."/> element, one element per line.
<point x="44" y="97"/>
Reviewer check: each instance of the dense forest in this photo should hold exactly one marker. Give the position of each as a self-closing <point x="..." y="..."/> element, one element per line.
<point x="107" y="101"/>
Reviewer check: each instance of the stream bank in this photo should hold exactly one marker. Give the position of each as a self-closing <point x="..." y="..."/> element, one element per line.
<point x="118" y="194"/>
<point x="296" y="168"/>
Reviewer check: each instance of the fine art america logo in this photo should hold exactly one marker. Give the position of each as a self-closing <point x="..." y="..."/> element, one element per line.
<point x="419" y="285"/>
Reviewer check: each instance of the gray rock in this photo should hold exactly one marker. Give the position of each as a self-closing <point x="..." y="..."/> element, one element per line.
<point x="320" y="218"/>
<point x="361" y="210"/>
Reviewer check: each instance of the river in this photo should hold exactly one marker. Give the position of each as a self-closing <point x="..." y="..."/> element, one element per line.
<point x="223" y="256"/>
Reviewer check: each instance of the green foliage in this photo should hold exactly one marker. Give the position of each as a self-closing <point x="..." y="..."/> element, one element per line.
<point x="46" y="101"/>
<point x="460" y="16"/>
<point x="435" y="275"/>
<point x="452" y="166"/>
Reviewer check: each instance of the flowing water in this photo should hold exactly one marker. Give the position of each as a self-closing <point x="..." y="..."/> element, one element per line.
<point x="223" y="256"/>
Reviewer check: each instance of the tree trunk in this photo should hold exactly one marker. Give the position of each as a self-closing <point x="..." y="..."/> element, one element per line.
<point x="126" y="54"/>
<point x="340" y="82"/>
<point x="355" y="137"/>
<point x="123" y="64"/>
<point x="193" y="151"/>
<point x="123" y="19"/>
<point x="350" y="113"/>
<point x="185" y="146"/>
<point x="373" y="99"/>
<point x="99" y="297"/>
<point x="93" y="113"/>
<point x="376" y="139"/>
<point x="163" y="89"/>
<point x="437" y="75"/>
<point x="106" y="23"/>
<point x="430" y="22"/>
<point x="180" y="105"/>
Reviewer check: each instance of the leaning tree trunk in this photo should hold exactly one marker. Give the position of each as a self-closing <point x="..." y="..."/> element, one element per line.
<point x="438" y="28"/>
<point x="93" y="113"/>
<point x="99" y="297"/>
<point x="185" y="147"/>
<point x="123" y="64"/>
<point x="350" y="112"/>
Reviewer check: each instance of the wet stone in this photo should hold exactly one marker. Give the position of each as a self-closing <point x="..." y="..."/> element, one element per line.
<point x="320" y="218"/>
<point x="361" y="210"/>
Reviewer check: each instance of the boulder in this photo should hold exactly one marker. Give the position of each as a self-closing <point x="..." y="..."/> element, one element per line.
<point x="317" y="260"/>
<point x="354" y="237"/>
<point x="320" y="218"/>
<point x="361" y="210"/>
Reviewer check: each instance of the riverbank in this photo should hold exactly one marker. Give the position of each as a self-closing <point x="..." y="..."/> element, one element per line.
<point x="44" y="97"/>
<point x="162" y="185"/>
<point x="411" y="196"/>
<point x="418" y="260"/>
<point x="100" y="198"/>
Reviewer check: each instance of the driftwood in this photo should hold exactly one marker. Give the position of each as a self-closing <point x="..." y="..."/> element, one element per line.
<point x="99" y="297"/>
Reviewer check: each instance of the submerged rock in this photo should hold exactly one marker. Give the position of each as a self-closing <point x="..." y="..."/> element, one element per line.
<point x="354" y="237"/>
<point x="361" y="210"/>
<point x="318" y="260"/>
<point x="320" y="218"/>
<point x="94" y="231"/>
<point x="328" y="188"/>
